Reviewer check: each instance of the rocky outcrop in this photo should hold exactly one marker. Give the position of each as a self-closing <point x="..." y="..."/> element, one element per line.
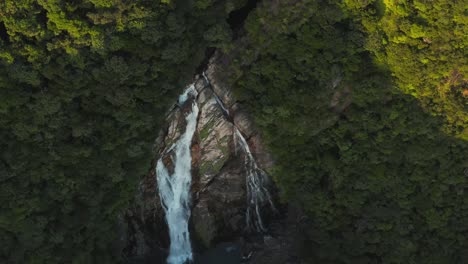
<point x="218" y="175"/>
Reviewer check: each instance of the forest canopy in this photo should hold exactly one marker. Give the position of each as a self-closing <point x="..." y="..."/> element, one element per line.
<point x="363" y="104"/>
<point x="84" y="86"/>
<point x="423" y="44"/>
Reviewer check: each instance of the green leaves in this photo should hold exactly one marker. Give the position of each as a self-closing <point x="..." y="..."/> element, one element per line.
<point x="425" y="48"/>
<point x="379" y="177"/>
<point x="84" y="85"/>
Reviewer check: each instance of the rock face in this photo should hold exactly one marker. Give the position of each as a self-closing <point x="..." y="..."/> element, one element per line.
<point x="218" y="175"/>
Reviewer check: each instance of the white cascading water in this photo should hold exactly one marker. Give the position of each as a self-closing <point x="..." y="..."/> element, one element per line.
<point x="174" y="189"/>
<point x="256" y="179"/>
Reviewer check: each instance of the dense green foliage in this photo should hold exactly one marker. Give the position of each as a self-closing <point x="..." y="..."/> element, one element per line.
<point x="83" y="88"/>
<point x="363" y="103"/>
<point x="424" y="45"/>
<point x="343" y="94"/>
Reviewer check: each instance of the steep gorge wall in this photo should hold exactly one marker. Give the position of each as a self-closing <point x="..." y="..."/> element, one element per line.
<point x="218" y="190"/>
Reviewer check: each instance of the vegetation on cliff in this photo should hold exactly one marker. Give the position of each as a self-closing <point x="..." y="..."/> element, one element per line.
<point x="363" y="104"/>
<point x="84" y="86"/>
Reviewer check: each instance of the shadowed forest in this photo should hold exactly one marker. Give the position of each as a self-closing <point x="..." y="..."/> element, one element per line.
<point x="364" y="105"/>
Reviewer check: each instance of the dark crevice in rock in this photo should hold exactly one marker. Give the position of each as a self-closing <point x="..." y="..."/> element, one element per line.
<point x="221" y="104"/>
<point x="237" y="17"/>
<point x="204" y="64"/>
<point x="236" y="21"/>
<point x="226" y="114"/>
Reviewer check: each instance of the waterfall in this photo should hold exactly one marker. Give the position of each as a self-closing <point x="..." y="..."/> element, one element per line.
<point x="174" y="190"/>
<point x="256" y="181"/>
<point x="256" y="178"/>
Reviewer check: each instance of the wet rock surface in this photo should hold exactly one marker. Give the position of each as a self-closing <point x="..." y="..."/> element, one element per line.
<point x="218" y="186"/>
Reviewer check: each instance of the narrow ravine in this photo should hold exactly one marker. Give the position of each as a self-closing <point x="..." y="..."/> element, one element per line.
<point x="174" y="189"/>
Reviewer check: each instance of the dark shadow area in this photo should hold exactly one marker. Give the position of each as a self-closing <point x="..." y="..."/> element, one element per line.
<point x="237" y="17"/>
<point x="42" y="17"/>
<point x="380" y="159"/>
<point x="3" y="33"/>
<point x="226" y="253"/>
<point x="155" y="257"/>
<point x="208" y="54"/>
<point x="236" y="21"/>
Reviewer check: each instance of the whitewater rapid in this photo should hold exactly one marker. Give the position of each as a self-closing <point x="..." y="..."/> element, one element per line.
<point x="174" y="189"/>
